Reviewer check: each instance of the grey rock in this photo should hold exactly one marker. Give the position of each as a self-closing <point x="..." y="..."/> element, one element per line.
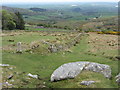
<point x="52" y="49"/>
<point x="60" y="47"/>
<point x="10" y="77"/>
<point x="118" y="78"/>
<point x="4" y="65"/>
<point x="100" y="68"/>
<point x="19" y="48"/>
<point x="33" y="76"/>
<point x="87" y="82"/>
<point x="71" y="70"/>
<point x="7" y="83"/>
<point x="44" y="42"/>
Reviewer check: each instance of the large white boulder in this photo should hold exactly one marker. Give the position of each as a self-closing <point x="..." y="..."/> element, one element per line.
<point x="71" y="70"/>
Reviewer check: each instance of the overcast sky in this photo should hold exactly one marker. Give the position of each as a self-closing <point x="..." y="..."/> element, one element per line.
<point x="11" y="1"/>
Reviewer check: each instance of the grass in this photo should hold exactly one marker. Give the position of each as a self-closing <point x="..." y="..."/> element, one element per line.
<point x="24" y="38"/>
<point x="85" y="76"/>
<point x="44" y="29"/>
<point x="44" y="65"/>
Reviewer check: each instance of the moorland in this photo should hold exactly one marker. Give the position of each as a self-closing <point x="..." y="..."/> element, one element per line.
<point x="38" y="38"/>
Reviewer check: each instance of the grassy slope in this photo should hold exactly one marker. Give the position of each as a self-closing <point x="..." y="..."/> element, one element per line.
<point x="44" y="65"/>
<point x="25" y="38"/>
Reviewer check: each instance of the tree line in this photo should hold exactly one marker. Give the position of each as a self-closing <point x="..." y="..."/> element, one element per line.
<point x="11" y="21"/>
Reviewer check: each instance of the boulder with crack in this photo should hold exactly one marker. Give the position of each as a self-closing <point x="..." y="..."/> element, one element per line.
<point x="71" y="70"/>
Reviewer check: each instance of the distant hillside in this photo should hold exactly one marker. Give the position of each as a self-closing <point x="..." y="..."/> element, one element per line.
<point x="76" y="9"/>
<point x="21" y="10"/>
<point x="38" y="9"/>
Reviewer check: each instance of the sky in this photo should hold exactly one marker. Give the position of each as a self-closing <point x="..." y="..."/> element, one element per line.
<point x="12" y="1"/>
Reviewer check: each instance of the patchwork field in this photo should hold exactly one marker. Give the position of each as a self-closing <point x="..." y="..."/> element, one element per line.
<point x="43" y="52"/>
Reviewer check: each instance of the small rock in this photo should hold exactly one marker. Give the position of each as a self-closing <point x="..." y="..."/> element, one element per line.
<point x="87" y="82"/>
<point x="44" y="82"/>
<point x="8" y="84"/>
<point x="31" y="52"/>
<point x="33" y="76"/>
<point x="19" y="48"/>
<point x="118" y="78"/>
<point x="52" y="49"/>
<point x="4" y="65"/>
<point x="11" y="68"/>
<point x="12" y="80"/>
<point x="10" y="77"/>
<point x="117" y="57"/>
<point x="11" y="40"/>
<point x="68" y="50"/>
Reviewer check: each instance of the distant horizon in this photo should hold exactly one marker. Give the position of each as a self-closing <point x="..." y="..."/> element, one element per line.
<point x="54" y="1"/>
<point x="59" y="2"/>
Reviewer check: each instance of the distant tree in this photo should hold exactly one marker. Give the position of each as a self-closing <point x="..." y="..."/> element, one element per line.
<point x="7" y="21"/>
<point x="11" y="25"/>
<point x="12" y="21"/>
<point x="20" y="24"/>
<point x="66" y="27"/>
<point x="39" y="24"/>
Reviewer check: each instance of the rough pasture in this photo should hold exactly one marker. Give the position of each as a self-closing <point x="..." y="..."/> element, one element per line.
<point x="38" y="62"/>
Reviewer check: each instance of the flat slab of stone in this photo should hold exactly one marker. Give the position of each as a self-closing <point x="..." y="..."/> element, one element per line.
<point x="87" y="82"/>
<point x="4" y="65"/>
<point x="71" y="70"/>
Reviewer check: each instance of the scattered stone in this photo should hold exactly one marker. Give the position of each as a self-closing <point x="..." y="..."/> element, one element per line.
<point x="87" y="82"/>
<point x="44" y="42"/>
<point x="89" y="41"/>
<point x="12" y="80"/>
<point x="117" y="57"/>
<point x="35" y="46"/>
<point x="4" y="65"/>
<point x="31" y="52"/>
<point x="44" y="82"/>
<point x="8" y="84"/>
<point x="19" y="48"/>
<point x="11" y="40"/>
<point x="10" y="77"/>
<point x="12" y="35"/>
<point x="60" y="47"/>
<point x="33" y="76"/>
<point x="118" y="79"/>
<point x="71" y="70"/>
<point x="68" y="50"/>
<point x="57" y="38"/>
<point x="11" y="68"/>
<point x="52" y="49"/>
